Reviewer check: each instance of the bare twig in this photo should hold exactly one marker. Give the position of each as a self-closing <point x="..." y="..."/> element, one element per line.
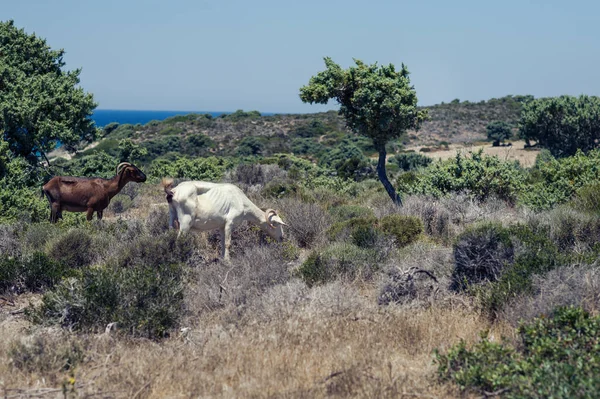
<point x="495" y="393"/>
<point x="146" y="385"/>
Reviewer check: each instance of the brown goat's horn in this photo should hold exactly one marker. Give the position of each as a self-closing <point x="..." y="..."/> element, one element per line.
<point x="122" y="164"/>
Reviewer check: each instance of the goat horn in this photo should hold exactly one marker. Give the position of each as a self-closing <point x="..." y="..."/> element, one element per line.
<point x="122" y="164"/>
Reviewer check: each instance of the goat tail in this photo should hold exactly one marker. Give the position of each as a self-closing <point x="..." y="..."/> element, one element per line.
<point x="167" y="184"/>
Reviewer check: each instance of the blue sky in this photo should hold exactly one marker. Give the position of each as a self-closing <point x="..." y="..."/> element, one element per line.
<point x="225" y="55"/>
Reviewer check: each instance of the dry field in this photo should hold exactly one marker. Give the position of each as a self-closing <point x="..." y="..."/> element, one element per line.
<point x="334" y="342"/>
<point x="516" y="152"/>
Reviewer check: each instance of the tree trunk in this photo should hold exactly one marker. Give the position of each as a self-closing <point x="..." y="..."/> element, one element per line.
<point x="381" y="173"/>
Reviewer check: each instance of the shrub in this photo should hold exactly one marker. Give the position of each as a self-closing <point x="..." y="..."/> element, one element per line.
<point x="404" y="286"/>
<point x="573" y="285"/>
<point x="211" y="168"/>
<point x="498" y="132"/>
<point x="10" y="245"/>
<point x="140" y="288"/>
<point x="587" y="198"/>
<point x="339" y="260"/>
<point x="314" y="128"/>
<point x="404" y="229"/>
<point x="410" y="161"/>
<point x="344" y="212"/>
<point x="557" y="357"/>
<point x="45" y="354"/>
<point x="307" y="221"/>
<point x="481" y="253"/>
<point x="250" y="145"/>
<point x="73" y="249"/>
<point x="344" y="229"/>
<point x="143" y="300"/>
<point x="479" y="175"/>
<point x="29" y="273"/>
<point x="249" y="174"/>
<point x="535" y="254"/>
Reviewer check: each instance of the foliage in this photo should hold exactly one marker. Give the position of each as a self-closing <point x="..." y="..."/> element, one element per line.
<point x="72" y="249"/>
<point x="307" y="146"/>
<point x="557" y="357"/>
<point x="142" y="291"/>
<point x="498" y="131"/>
<point x="347" y="159"/>
<point x="130" y="152"/>
<point x="404" y="229"/>
<point x="40" y="102"/>
<point x="410" y="161"/>
<point x="250" y="145"/>
<point x="479" y="175"/>
<point x="562" y="124"/>
<point x="19" y="196"/>
<point x="29" y="273"/>
<point x="314" y="128"/>
<point x="341" y="260"/>
<point x="376" y="101"/>
<point x="480" y="254"/>
<point x="241" y="115"/>
<point x="558" y="180"/>
<point x="496" y="264"/>
<point x="192" y="169"/>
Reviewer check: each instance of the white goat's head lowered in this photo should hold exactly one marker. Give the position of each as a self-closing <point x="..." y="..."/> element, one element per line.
<point x="274" y="225"/>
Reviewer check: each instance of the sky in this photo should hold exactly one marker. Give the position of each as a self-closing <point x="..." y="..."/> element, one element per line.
<point x="198" y="55"/>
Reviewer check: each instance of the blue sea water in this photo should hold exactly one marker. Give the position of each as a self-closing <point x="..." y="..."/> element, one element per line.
<point x="103" y="117"/>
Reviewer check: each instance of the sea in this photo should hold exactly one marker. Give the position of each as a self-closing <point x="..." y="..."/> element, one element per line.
<point x="103" y="117"/>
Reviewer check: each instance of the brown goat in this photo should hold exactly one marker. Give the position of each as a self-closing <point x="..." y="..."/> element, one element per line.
<point x="87" y="194"/>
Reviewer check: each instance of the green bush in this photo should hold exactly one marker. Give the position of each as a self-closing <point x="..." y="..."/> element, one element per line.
<point x="314" y="128"/>
<point x="29" y="273"/>
<point x="587" y="199"/>
<point x="498" y="131"/>
<point x="344" y="212"/>
<point x="340" y="260"/>
<point x="140" y="288"/>
<point x="496" y="264"/>
<point x="250" y="145"/>
<point x="479" y="175"/>
<point x="558" y="180"/>
<point x="404" y="229"/>
<point x="410" y="161"/>
<point x="143" y="300"/>
<point x="73" y="249"/>
<point x="211" y="168"/>
<point x="557" y="357"/>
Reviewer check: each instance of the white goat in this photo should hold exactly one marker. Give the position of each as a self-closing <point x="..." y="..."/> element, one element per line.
<point x="202" y="206"/>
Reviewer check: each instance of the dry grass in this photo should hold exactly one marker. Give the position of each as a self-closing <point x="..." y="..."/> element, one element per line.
<point x="327" y="341"/>
<point x="516" y="152"/>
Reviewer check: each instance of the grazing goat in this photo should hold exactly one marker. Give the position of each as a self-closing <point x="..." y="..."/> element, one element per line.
<point x="202" y="206"/>
<point x="87" y="194"/>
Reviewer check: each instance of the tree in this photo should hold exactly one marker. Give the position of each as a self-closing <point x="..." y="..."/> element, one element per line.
<point x="250" y="145"/>
<point x="498" y="132"/>
<point x="130" y="152"/>
<point x="562" y="124"/>
<point x="40" y="103"/>
<point x="376" y="101"/>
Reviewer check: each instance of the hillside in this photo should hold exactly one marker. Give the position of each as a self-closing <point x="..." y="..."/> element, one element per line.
<point x="302" y="134"/>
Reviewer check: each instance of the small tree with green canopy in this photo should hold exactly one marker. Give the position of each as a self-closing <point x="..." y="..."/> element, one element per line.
<point x="376" y="101"/>
<point x="40" y="103"/>
<point x="562" y="124"/>
<point x="498" y="132"/>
